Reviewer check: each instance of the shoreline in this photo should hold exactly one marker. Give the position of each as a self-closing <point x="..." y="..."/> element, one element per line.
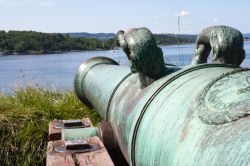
<point x="9" y="53"/>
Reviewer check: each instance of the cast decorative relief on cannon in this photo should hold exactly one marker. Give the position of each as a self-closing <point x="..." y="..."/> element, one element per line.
<point x="163" y="115"/>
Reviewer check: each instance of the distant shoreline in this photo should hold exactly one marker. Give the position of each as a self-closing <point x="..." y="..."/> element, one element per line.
<point x="7" y="53"/>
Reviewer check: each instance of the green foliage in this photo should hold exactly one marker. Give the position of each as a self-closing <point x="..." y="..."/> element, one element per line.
<point x="170" y="39"/>
<point x="24" y="118"/>
<point x="37" y="42"/>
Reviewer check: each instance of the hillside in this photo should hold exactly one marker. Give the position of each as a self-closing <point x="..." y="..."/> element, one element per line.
<point x="30" y="42"/>
<point x="101" y="36"/>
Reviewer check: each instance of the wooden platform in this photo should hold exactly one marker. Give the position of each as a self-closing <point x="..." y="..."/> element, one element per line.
<point x="99" y="157"/>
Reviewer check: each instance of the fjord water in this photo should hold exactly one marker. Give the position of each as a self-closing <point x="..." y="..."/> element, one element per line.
<point x="57" y="70"/>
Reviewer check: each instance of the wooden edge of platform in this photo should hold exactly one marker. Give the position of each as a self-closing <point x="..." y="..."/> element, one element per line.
<point x="98" y="157"/>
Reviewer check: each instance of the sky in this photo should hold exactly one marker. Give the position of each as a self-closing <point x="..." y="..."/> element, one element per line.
<point x="94" y="16"/>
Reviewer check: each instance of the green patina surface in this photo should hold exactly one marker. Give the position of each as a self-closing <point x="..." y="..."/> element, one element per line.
<point x="144" y="55"/>
<point x="219" y="105"/>
<point x="226" y="44"/>
<point x="195" y="116"/>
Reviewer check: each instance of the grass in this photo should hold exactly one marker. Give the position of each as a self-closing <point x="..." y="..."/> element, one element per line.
<point x="24" y="118"/>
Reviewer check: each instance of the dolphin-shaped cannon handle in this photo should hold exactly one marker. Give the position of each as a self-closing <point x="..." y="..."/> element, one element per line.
<point x="144" y="55"/>
<point x="226" y="44"/>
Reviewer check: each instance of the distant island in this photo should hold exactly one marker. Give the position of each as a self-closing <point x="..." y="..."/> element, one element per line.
<point x="30" y="42"/>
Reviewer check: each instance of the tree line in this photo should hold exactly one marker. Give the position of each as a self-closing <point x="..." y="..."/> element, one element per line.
<point x="171" y="39"/>
<point x="23" y="42"/>
<point x="37" y="42"/>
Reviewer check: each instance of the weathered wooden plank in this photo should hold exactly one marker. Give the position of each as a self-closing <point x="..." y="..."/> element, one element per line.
<point x="58" y="159"/>
<point x="95" y="158"/>
<point x="98" y="157"/>
<point x="54" y="133"/>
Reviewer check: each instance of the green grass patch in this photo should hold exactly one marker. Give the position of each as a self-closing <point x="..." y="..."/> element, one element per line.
<point x="24" y="118"/>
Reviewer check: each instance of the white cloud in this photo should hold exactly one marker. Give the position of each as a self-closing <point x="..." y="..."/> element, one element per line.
<point x="182" y="13"/>
<point x="216" y="20"/>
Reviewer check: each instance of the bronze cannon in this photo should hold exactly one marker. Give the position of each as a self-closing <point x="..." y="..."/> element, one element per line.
<point x="163" y="115"/>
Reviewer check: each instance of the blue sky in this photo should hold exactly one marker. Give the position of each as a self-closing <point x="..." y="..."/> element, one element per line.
<point x="160" y="16"/>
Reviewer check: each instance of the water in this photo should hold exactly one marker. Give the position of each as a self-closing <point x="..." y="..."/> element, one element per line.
<point x="57" y="70"/>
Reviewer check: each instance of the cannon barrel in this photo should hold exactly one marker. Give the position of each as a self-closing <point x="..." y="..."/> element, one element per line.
<point x="197" y="115"/>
